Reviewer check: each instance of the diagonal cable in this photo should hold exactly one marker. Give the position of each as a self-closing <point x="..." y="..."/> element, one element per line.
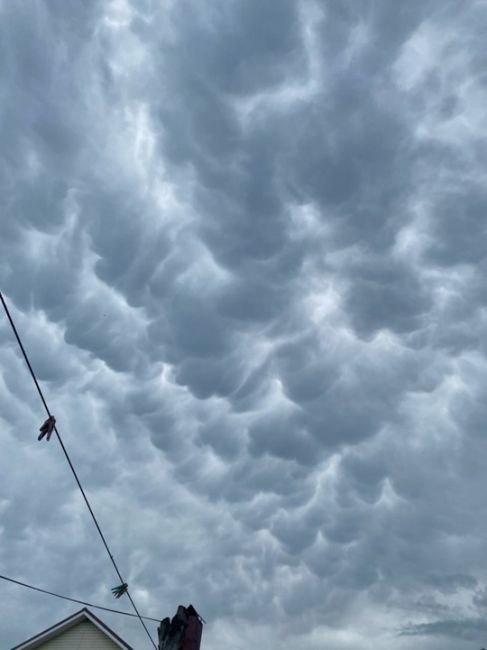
<point x="26" y="358"/>
<point x="75" y="600"/>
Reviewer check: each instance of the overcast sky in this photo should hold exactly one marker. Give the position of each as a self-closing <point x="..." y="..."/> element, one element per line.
<point x="245" y="244"/>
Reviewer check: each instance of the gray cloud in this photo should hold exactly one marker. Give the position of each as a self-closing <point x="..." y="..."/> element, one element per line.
<point x="244" y="243"/>
<point x="468" y="630"/>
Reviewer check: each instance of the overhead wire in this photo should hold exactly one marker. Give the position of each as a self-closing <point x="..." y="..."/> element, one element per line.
<point x="75" y="600"/>
<point x="102" y="537"/>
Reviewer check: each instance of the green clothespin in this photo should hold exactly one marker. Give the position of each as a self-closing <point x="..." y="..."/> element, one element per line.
<point x="119" y="591"/>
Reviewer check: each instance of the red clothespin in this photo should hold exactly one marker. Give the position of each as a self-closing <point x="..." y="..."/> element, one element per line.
<point x="47" y="428"/>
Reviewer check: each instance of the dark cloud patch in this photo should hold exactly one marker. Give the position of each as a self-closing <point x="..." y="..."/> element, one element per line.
<point x="223" y="436"/>
<point x="468" y="630"/>
<point x="260" y="39"/>
<point x="305" y="374"/>
<point x="206" y="378"/>
<point x="451" y="583"/>
<point x="339" y="169"/>
<point x="364" y="477"/>
<point x="254" y="301"/>
<point x="460" y="227"/>
<point x="281" y="435"/>
<point x="386" y="296"/>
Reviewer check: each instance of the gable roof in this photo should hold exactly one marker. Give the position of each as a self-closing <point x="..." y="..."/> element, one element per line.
<point x="64" y="625"/>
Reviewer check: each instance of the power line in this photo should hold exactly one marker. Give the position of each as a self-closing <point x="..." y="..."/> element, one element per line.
<point x="75" y="600"/>
<point x="102" y="537"/>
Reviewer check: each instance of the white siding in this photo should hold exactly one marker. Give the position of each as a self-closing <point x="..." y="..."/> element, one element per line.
<point x="84" y="636"/>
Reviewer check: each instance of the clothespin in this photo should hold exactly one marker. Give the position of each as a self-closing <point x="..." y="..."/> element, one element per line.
<point x="47" y="428"/>
<point x="119" y="591"/>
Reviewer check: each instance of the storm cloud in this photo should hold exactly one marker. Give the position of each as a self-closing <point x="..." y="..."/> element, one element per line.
<point x="245" y="244"/>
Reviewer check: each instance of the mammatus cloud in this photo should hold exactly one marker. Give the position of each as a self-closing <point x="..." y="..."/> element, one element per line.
<point x="245" y="244"/>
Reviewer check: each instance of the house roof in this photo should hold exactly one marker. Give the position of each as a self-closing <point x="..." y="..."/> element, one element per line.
<point x="64" y="625"/>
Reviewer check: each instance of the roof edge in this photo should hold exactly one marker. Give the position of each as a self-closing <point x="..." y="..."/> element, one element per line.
<point x="66" y="624"/>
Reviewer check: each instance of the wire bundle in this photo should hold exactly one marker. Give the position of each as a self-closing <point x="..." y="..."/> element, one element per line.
<point x="52" y="422"/>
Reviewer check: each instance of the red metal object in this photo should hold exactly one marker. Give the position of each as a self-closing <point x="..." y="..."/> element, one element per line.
<point x="183" y="632"/>
<point x="192" y="638"/>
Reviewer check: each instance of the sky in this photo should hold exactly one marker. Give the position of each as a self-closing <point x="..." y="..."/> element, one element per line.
<point x="244" y="242"/>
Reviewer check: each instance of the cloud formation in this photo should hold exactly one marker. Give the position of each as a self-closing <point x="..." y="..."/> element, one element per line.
<point x="244" y="242"/>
